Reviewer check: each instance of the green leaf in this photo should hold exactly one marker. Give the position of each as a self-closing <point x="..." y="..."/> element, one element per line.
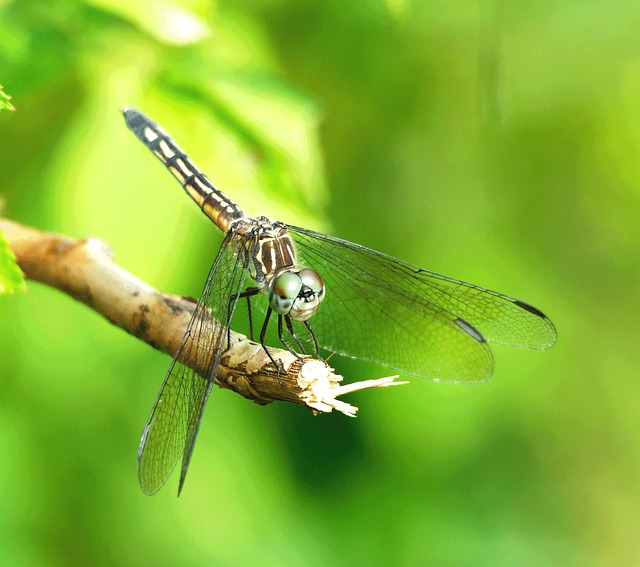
<point x="11" y="276"/>
<point x="168" y="22"/>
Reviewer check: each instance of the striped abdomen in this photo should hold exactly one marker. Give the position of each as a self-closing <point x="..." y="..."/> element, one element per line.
<point x="213" y="203"/>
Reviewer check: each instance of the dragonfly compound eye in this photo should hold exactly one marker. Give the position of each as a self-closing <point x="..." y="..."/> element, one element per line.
<point x="310" y="295"/>
<point x="284" y="290"/>
<point x="311" y="279"/>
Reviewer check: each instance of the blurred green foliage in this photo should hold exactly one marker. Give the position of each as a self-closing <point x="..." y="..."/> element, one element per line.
<point x="4" y="101"/>
<point x="495" y="142"/>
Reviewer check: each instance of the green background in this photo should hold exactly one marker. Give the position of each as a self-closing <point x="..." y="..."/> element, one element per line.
<point x="495" y="142"/>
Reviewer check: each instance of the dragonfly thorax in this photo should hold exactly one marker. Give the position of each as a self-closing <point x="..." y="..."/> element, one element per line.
<point x="296" y="293"/>
<point x="267" y="246"/>
<point x="272" y="265"/>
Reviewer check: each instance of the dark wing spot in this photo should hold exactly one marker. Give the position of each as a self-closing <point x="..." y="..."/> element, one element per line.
<point x="530" y="309"/>
<point x="470" y="330"/>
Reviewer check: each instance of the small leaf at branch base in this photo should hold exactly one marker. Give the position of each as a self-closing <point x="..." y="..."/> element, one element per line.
<point x="11" y="276"/>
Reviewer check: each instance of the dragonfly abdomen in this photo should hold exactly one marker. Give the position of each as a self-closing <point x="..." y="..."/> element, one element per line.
<point x="211" y="200"/>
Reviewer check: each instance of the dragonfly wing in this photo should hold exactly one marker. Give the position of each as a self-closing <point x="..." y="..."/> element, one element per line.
<point x="172" y="427"/>
<point x="417" y="322"/>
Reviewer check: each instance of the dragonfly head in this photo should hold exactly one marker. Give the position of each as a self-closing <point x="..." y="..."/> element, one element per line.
<point x="296" y="294"/>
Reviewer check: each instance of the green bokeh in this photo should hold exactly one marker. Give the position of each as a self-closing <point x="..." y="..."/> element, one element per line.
<point x="497" y="143"/>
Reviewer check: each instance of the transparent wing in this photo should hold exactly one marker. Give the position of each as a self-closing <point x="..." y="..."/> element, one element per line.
<point x="172" y="427"/>
<point x="384" y="310"/>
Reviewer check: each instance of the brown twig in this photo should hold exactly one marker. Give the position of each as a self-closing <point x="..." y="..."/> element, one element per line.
<point x="85" y="270"/>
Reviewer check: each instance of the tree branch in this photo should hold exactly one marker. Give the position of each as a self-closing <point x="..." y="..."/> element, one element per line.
<point x="85" y="270"/>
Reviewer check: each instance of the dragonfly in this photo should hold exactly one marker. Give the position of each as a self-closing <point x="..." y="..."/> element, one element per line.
<point x="325" y="291"/>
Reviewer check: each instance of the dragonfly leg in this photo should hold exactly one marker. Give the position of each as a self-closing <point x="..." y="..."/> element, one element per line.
<point x="313" y="336"/>
<point x="284" y="343"/>
<point x="248" y="293"/>
<point x="263" y="332"/>
<point x="287" y="320"/>
<point x="250" y="316"/>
